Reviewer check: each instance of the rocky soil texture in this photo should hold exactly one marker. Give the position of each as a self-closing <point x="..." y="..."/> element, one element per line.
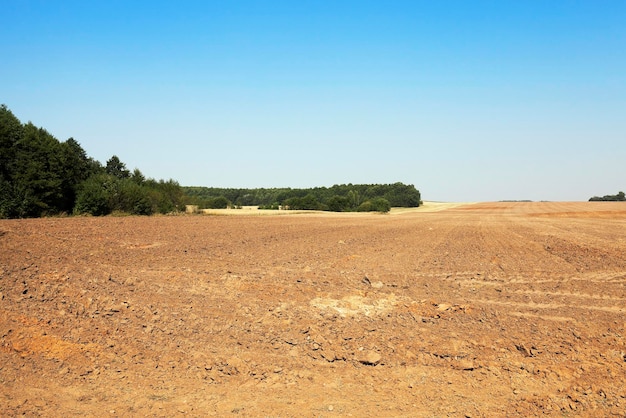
<point x="499" y="309"/>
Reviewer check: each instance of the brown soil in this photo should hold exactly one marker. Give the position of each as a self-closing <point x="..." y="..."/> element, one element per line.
<point x="499" y="309"/>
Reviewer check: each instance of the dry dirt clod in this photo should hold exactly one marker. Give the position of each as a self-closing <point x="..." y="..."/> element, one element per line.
<point x="369" y="358"/>
<point x="524" y="350"/>
<point x="466" y="365"/>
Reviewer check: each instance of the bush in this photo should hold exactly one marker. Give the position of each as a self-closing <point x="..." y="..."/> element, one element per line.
<point x="378" y="204"/>
<point x="165" y="196"/>
<point x="93" y="196"/>
<point x="308" y="202"/>
<point x="619" y="197"/>
<point x="338" y="204"/>
<point x="365" y="207"/>
<point x="104" y="193"/>
<point x="273" y="206"/>
<point x="381" y="204"/>
<point x="218" y="203"/>
<point x="134" y="199"/>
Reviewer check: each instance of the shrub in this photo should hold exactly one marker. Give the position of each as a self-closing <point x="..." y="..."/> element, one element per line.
<point x="273" y="206"/>
<point x="93" y="196"/>
<point x="619" y="197"/>
<point x="381" y="204"/>
<point x="338" y="204"/>
<point x="378" y="204"/>
<point x="308" y="202"/>
<point x="218" y="203"/>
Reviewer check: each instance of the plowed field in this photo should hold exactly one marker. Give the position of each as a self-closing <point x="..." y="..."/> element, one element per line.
<point x="491" y="309"/>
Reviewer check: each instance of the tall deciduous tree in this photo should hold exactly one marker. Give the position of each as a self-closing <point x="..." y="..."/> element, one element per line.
<point x="11" y="131"/>
<point x="38" y="175"/>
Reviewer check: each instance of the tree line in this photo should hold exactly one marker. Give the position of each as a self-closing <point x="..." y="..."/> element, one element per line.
<point x="619" y="197"/>
<point x="40" y="175"/>
<point x="338" y="198"/>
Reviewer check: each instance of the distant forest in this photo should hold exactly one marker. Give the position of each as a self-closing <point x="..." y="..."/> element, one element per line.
<point x="338" y="198"/>
<point x="619" y="197"/>
<point x="42" y="176"/>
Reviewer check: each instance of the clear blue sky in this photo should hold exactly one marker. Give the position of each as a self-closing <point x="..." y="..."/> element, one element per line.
<point x="467" y="100"/>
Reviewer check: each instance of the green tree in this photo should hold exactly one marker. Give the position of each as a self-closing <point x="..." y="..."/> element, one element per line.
<point x="76" y="168"/>
<point x="117" y="168"/>
<point x="166" y="196"/>
<point x="619" y="197"/>
<point x="402" y="195"/>
<point x="218" y="203"/>
<point x="137" y="177"/>
<point x="11" y="131"/>
<point x="354" y="198"/>
<point x="308" y="202"/>
<point x="128" y="197"/>
<point x="38" y="175"/>
<point x="338" y="204"/>
<point x="133" y="198"/>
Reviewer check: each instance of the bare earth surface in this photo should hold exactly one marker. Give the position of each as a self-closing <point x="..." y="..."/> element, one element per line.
<point x="489" y="309"/>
